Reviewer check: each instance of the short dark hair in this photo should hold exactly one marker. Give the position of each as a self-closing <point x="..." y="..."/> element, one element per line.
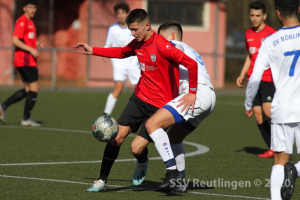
<point x="33" y="2"/>
<point x="171" y="24"/>
<point x="257" y="5"/>
<point x="122" y="6"/>
<point x="287" y="7"/>
<point x="137" y="15"/>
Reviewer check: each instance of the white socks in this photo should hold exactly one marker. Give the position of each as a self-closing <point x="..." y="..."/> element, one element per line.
<point x="297" y="165"/>
<point x="110" y="104"/>
<point x="179" y="152"/>
<point x="162" y="144"/>
<point x="276" y="180"/>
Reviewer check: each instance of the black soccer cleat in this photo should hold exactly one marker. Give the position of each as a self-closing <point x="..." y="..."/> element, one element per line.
<point x="173" y="178"/>
<point x="288" y="186"/>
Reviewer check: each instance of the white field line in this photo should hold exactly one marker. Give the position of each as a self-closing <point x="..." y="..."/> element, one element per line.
<point x="201" y="149"/>
<point x="120" y="186"/>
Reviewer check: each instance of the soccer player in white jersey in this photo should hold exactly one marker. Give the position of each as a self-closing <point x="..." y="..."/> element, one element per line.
<point x="281" y="51"/>
<point x="119" y="35"/>
<point x="184" y="120"/>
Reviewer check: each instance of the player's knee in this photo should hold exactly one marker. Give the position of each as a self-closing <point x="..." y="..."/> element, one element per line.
<point x="118" y="141"/>
<point x="151" y="126"/>
<point x="148" y="125"/>
<point x="135" y="149"/>
<point x="35" y="87"/>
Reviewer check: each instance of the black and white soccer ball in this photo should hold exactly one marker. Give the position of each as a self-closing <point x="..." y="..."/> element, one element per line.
<point x="105" y="128"/>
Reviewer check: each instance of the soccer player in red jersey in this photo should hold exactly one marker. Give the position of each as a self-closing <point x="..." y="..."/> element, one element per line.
<point x="159" y="84"/>
<point x="262" y="103"/>
<point x="25" y="61"/>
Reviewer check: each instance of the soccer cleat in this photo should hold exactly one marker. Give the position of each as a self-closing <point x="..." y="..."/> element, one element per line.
<point x="172" y="179"/>
<point x="140" y="172"/>
<point x="97" y="186"/>
<point x="30" y="122"/>
<point x="288" y="186"/>
<point x="2" y="115"/>
<point x="181" y="186"/>
<point x="267" y="154"/>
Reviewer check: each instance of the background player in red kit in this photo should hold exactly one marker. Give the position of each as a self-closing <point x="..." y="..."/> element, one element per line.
<point x="24" y="38"/>
<point x="157" y="86"/>
<point x="262" y="102"/>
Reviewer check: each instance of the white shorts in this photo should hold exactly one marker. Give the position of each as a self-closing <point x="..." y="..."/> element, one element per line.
<point x="122" y="72"/>
<point x="283" y="137"/>
<point x="204" y="105"/>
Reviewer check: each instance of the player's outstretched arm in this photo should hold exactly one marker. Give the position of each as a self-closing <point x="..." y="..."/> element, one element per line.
<point x="83" y="48"/>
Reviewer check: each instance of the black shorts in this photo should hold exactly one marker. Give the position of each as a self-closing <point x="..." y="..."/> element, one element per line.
<point x="264" y="94"/>
<point x="28" y="74"/>
<point x="135" y="115"/>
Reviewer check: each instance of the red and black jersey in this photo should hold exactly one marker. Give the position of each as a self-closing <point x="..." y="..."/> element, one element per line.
<point x="159" y="81"/>
<point x="253" y="42"/>
<point x="25" y="30"/>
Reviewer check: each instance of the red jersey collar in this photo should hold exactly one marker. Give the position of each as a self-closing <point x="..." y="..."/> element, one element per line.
<point x="149" y="41"/>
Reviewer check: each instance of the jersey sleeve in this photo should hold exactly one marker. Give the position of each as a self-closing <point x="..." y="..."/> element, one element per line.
<point x="115" y="52"/>
<point x="192" y="67"/>
<point x="108" y="42"/>
<point x="19" y="30"/>
<point x="177" y="56"/>
<point x="261" y="64"/>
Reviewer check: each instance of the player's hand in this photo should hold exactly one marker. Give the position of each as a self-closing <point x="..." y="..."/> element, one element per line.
<point x="248" y="113"/>
<point x="83" y="48"/>
<point x="187" y="101"/>
<point x="239" y="81"/>
<point x="34" y="53"/>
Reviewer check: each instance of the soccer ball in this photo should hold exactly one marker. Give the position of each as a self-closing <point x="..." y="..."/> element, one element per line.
<point x="105" y="128"/>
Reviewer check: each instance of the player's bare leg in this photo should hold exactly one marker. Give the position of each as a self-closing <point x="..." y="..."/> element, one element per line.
<point x="110" y="154"/>
<point x="140" y="151"/>
<point x="266" y="107"/>
<point x="113" y="97"/>
<point x="161" y="119"/>
<point x="265" y="130"/>
<point x="258" y="114"/>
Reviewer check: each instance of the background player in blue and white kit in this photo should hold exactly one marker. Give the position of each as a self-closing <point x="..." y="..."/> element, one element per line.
<point x="281" y="51"/>
<point x="183" y="119"/>
<point x="119" y="35"/>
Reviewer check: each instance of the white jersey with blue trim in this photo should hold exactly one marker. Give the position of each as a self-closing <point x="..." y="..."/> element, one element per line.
<point x="203" y="76"/>
<point x="280" y="51"/>
<point x="118" y="36"/>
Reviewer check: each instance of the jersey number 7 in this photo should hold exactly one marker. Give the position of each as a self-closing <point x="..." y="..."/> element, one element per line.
<point x="291" y="53"/>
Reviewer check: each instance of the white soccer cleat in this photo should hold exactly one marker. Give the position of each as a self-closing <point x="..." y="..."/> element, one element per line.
<point x="2" y="115"/>
<point x="140" y="173"/>
<point x="97" y="186"/>
<point x="30" y="122"/>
